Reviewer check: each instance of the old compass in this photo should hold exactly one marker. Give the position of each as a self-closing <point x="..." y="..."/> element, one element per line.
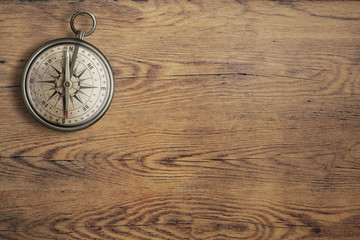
<point x="67" y="84"/>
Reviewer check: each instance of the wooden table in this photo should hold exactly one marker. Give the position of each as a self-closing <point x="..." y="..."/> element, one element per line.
<point x="231" y="120"/>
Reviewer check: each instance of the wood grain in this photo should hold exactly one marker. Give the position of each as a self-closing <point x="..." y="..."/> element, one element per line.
<point x="231" y="120"/>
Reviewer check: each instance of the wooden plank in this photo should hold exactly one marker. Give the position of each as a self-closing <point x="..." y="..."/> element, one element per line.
<point x="231" y="120"/>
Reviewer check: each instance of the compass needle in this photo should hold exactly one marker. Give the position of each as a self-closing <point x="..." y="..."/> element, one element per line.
<point x="67" y="83"/>
<point x="75" y="70"/>
<point x="73" y="59"/>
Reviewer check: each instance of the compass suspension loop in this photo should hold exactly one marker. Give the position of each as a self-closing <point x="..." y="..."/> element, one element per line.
<point x="73" y="26"/>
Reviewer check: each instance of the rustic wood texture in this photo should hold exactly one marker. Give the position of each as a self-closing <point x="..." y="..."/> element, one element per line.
<point x="231" y="120"/>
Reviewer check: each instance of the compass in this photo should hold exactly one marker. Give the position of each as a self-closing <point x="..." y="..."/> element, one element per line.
<point x="67" y="84"/>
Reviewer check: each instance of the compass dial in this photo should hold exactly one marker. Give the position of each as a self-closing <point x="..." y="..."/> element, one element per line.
<point x="67" y="102"/>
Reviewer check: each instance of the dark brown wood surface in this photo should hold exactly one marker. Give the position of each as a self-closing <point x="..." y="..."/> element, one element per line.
<point x="231" y="120"/>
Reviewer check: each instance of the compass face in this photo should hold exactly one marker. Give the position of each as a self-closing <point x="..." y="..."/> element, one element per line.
<point x="90" y="85"/>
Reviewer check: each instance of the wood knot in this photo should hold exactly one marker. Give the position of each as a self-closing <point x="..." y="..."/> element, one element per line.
<point x="316" y="230"/>
<point x="355" y="150"/>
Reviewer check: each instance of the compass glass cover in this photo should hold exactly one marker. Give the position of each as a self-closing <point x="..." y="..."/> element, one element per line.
<point x="90" y="91"/>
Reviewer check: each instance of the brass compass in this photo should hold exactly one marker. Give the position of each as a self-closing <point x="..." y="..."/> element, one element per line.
<point x="67" y="84"/>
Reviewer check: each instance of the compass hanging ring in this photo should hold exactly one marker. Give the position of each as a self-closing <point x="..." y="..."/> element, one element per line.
<point x="83" y="12"/>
